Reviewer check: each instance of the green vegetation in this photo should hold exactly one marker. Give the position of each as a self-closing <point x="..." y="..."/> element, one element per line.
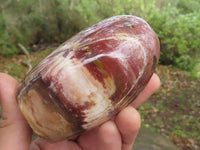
<point x="53" y="21"/>
<point x="174" y="109"/>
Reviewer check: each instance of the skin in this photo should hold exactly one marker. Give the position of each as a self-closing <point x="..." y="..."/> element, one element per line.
<point x="117" y="134"/>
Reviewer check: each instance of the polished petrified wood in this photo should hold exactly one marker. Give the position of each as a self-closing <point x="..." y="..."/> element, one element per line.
<point x="89" y="78"/>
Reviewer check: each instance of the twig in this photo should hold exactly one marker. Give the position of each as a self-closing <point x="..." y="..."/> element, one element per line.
<point x="71" y="3"/>
<point x="40" y="4"/>
<point x="28" y="63"/>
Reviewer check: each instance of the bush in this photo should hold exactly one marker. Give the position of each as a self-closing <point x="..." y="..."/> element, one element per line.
<point x="179" y="36"/>
<point x="53" y="21"/>
<point x="180" y="45"/>
<point x="49" y="21"/>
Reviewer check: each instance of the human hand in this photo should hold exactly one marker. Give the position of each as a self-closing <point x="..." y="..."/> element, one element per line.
<point x="118" y="134"/>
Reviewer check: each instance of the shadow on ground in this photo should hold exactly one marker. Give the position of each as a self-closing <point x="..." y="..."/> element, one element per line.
<point x="150" y="140"/>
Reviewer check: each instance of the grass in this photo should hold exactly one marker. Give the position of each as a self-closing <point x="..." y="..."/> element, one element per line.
<point x="172" y="111"/>
<point x="15" y="67"/>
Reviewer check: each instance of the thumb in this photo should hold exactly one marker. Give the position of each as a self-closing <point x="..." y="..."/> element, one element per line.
<point x="14" y="131"/>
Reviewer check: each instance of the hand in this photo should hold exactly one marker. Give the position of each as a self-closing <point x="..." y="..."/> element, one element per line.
<point x="119" y="134"/>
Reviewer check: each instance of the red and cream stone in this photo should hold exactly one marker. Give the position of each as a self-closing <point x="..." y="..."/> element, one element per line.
<point x="89" y="78"/>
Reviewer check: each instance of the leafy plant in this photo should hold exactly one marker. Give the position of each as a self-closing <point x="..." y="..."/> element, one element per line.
<point x="53" y="21"/>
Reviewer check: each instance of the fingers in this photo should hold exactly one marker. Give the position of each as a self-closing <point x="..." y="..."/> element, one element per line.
<point x="118" y="135"/>
<point x="14" y="131"/>
<point x="121" y="134"/>
<point x="151" y="87"/>
<point x="108" y="137"/>
<point x="8" y="102"/>
<point x="105" y="137"/>
<point x="128" y="123"/>
<point x="90" y="136"/>
<point x="41" y="144"/>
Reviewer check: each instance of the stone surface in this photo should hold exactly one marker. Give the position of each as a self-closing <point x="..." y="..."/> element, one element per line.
<point x="149" y="140"/>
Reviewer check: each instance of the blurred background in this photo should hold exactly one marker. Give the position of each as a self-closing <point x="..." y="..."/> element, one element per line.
<point x="38" y="26"/>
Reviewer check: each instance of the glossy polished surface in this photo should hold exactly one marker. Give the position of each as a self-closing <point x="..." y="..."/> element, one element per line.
<point x="89" y="78"/>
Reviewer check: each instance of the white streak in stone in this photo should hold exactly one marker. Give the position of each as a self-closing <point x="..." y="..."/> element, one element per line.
<point x="120" y="52"/>
<point x="80" y="86"/>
